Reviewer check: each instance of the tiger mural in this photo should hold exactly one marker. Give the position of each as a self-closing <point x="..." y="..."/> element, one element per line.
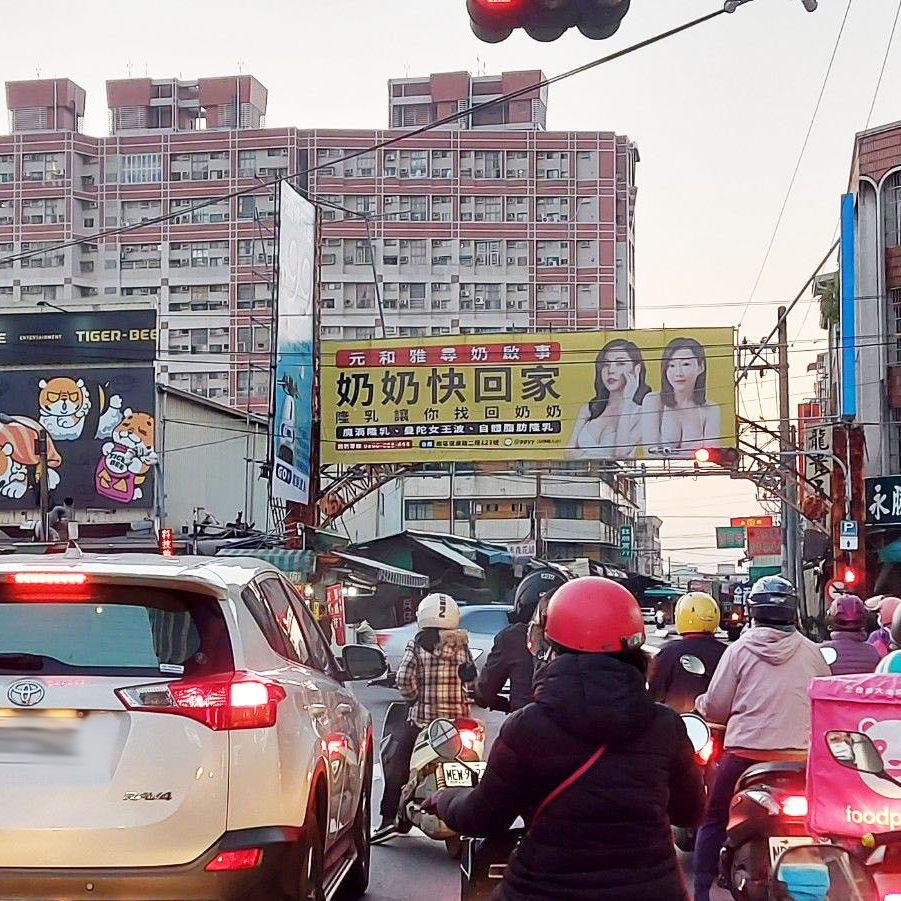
<point x="127" y="458"/>
<point x="66" y="405"/>
<point x="18" y="452"/>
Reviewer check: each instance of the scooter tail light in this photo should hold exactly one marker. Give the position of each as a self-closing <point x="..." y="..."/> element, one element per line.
<point x="468" y="738"/>
<point x="892" y="896"/>
<point x="707" y="751"/>
<point x="796" y="806"/>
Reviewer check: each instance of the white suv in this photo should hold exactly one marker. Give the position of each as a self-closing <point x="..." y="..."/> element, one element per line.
<point x="176" y="729"/>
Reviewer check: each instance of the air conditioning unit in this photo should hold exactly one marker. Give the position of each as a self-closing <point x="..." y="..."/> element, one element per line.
<point x="511" y="217"/>
<point x="480" y="301"/>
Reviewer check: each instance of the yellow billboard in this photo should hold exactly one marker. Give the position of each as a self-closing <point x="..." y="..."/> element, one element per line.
<point x="610" y="395"/>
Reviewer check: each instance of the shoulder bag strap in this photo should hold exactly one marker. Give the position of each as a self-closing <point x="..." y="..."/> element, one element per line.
<point x="568" y="782"/>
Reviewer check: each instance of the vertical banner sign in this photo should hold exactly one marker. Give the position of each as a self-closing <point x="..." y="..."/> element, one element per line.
<point x="847" y="322"/>
<point x="625" y="542"/>
<point x="335" y="598"/>
<point x="293" y="391"/>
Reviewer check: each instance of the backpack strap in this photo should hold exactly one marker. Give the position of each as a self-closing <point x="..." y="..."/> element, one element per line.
<point x="568" y="782"/>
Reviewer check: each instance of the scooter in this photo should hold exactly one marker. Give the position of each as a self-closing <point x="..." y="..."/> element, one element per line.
<point x="707" y="755"/>
<point x="766" y="816"/>
<point x="431" y="771"/>
<point x="484" y="860"/>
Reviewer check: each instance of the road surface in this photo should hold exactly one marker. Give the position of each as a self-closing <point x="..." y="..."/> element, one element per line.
<point x="412" y="867"/>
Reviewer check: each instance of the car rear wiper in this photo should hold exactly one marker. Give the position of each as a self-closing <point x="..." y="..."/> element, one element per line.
<point x="23" y="662"/>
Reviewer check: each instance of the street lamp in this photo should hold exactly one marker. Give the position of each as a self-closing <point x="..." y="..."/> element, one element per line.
<point x="46" y="303"/>
<point x="41" y="440"/>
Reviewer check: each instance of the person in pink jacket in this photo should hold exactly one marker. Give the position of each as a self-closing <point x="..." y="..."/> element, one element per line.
<point x="759" y="692"/>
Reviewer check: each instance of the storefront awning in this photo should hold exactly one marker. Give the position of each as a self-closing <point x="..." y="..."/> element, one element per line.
<point x="384" y="572"/>
<point x="297" y="565"/>
<point x="438" y="547"/>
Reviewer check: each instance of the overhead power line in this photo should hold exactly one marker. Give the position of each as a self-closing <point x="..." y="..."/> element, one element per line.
<point x="388" y="142"/>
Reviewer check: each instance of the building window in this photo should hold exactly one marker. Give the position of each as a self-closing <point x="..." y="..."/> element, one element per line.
<point x="140" y="168"/>
<point x="567" y="509"/>
<point x="420" y="510"/>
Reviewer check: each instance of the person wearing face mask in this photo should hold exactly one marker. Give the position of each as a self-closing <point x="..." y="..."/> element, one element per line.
<point x="611" y="425"/>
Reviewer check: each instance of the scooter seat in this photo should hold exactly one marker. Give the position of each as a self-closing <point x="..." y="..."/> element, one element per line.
<point x="760" y="772"/>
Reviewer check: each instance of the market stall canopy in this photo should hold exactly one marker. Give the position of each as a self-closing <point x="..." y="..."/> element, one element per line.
<point x="297" y="565"/>
<point x="384" y="572"/>
<point x="444" y="549"/>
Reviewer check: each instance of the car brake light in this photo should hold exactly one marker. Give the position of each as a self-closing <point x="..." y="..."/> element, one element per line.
<point x="245" y="859"/>
<point x="795" y="806"/>
<point x="49" y="578"/>
<point x="706" y="752"/>
<point x="222" y="702"/>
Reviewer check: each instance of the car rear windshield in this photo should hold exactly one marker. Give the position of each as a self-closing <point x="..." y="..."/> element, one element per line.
<point x="111" y="630"/>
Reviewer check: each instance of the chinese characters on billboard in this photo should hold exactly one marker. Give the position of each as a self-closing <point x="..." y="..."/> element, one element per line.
<point x="293" y="401"/>
<point x="655" y="394"/>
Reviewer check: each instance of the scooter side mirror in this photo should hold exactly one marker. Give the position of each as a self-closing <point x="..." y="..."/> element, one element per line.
<point x="698" y="730"/>
<point x="444" y="739"/>
<point x="824" y="872"/>
<point x="830" y="655"/>
<point x="692" y="664"/>
<point x="856" y="751"/>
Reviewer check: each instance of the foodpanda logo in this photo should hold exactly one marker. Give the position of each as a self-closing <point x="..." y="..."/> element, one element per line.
<point x="886" y="736"/>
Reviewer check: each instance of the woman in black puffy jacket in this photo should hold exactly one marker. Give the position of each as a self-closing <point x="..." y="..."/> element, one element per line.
<point x="607" y="835"/>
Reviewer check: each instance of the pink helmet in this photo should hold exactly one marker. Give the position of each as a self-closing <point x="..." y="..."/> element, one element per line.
<point x="847" y="614"/>
<point x="887" y="609"/>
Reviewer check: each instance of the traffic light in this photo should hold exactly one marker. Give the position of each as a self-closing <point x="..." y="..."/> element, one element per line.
<point x="727" y="457"/>
<point x="493" y="21"/>
<point x="848" y="575"/>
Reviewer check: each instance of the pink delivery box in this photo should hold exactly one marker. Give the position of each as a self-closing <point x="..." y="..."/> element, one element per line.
<point x="842" y="801"/>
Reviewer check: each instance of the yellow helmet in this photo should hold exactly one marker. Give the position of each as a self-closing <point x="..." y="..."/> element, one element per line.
<point x="697" y="611"/>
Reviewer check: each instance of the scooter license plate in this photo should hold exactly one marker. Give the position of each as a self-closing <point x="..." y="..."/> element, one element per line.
<point x="458" y="776"/>
<point x="778" y="844"/>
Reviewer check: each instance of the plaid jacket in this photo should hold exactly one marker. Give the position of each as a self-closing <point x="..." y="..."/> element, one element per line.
<point x="431" y="681"/>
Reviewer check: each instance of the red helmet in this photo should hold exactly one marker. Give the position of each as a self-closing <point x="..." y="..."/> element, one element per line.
<point x="594" y="614"/>
<point x="847" y="614"/>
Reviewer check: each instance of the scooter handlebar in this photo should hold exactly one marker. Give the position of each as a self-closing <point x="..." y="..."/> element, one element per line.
<point x="874" y="840"/>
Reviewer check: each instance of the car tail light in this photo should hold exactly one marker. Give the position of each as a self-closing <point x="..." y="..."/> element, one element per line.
<point x="49" y="578"/>
<point x="795" y="806"/>
<point x="222" y="702"/>
<point x="245" y="859"/>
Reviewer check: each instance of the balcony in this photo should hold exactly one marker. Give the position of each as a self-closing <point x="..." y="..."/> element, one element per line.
<point x="503" y="530"/>
<point x="576" y="530"/>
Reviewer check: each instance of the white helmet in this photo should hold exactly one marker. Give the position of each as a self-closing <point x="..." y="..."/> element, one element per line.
<point x="438" y="611"/>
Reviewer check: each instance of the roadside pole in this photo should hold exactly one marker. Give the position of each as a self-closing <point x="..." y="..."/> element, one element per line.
<point x="791" y="563"/>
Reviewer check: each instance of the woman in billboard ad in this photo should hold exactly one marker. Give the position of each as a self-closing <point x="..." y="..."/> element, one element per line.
<point x="610" y="426"/>
<point x="687" y="420"/>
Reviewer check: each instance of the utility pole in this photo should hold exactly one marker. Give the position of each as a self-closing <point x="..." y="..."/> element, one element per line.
<point x="791" y="563"/>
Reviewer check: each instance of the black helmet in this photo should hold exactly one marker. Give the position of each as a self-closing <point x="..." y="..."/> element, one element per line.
<point x="773" y="601"/>
<point x="530" y="591"/>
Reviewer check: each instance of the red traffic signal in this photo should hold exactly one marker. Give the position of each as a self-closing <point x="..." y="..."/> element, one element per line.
<point x="545" y="20"/>
<point x="726" y="457"/>
<point x="849" y="576"/>
<point x="167" y="543"/>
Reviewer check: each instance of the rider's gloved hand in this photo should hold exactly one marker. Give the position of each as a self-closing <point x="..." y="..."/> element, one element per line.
<point x="430" y="803"/>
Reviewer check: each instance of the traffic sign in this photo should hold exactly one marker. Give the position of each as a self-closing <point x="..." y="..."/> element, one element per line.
<point x="835" y="588"/>
<point x="848" y="535"/>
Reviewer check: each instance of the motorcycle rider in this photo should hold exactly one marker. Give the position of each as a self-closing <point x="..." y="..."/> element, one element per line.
<point x="881" y="638"/>
<point x="759" y="692"/>
<point x="847" y="619"/>
<point x="697" y="619"/>
<point x="434" y="674"/>
<point x="510" y="657"/>
<point x="608" y="835"/>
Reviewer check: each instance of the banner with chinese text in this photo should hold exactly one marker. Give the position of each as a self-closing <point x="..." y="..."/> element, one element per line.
<point x="655" y="394"/>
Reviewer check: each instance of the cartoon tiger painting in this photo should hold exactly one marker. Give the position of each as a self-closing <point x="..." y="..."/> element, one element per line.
<point x="66" y="404"/>
<point x="126" y="458"/>
<point x="18" y="452"/>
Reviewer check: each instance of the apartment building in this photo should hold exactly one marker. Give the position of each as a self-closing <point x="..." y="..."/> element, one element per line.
<point x="486" y="223"/>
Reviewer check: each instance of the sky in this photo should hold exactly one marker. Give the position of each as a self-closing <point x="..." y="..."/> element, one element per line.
<point x="719" y="114"/>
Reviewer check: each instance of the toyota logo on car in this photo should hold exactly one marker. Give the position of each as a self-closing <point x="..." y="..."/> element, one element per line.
<point x="26" y="693"/>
